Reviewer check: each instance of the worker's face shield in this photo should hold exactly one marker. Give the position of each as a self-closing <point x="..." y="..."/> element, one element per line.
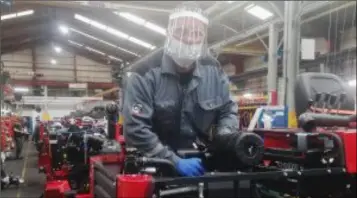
<point x="186" y="37"/>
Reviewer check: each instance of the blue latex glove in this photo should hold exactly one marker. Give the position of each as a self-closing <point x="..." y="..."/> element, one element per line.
<point x="190" y="167"/>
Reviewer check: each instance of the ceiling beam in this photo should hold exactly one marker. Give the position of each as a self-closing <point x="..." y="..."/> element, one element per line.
<point x="243" y="51"/>
<point x="96" y="4"/>
<point x="249" y="32"/>
<point x="42" y="27"/>
<point x="304" y="21"/>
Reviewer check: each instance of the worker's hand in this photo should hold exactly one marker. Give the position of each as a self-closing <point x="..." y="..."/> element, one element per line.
<point x="190" y="167"/>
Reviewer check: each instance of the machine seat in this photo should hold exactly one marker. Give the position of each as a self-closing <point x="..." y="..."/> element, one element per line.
<point x="309" y="84"/>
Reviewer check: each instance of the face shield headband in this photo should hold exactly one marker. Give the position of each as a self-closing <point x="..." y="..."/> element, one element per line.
<point x="186" y="38"/>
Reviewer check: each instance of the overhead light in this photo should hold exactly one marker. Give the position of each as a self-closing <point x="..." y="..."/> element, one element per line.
<point x="113" y="31"/>
<point x="155" y="28"/>
<point x="63" y="29"/>
<point x="230" y="1"/>
<point x="131" y="17"/>
<point x="352" y="83"/>
<point x="58" y="49"/>
<point x="75" y="43"/>
<point x="258" y="11"/>
<point x="142" y="22"/>
<point x="24" y="13"/>
<point x="53" y="61"/>
<point x="247" y="95"/>
<point x="21" y="89"/>
<point x="117" y="33"/>
<point x="96" y="51"/>
<point x="104" y="42"/>
<point x="115" y="58"/>
<point x="142" y="43"/>
<point x="16" y="15"/>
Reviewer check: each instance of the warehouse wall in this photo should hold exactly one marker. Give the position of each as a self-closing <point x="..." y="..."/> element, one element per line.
<point x="20" y="64"/>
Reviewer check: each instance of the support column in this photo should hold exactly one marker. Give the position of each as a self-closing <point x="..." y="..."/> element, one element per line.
<point x="322" y="68"/>
<point x="34" y="60"/>
<point x="273" y="65"/>
<point x="75" y="68"/>
<point x="291" y="58"/>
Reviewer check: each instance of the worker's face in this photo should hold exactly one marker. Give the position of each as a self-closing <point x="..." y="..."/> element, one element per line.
<point x="186" y="37"/>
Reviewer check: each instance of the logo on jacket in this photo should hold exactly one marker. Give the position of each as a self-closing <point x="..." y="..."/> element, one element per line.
<point x="137" y="108"/>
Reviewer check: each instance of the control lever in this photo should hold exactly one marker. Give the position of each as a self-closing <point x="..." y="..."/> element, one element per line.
<point x="315" y="103"/>
<point x="332" y="101"/>
<point x="341" y="100"/>
<point x="321" y="100"/>
<point x="325" y="101"/>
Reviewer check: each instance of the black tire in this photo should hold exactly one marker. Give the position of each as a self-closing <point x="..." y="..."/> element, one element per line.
<point x="250" y="149"/>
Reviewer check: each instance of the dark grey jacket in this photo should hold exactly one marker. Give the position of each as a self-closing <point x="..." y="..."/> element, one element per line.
<point x="160" y="116"/>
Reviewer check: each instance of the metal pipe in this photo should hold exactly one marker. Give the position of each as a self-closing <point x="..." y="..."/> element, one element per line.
<point x="292" y="51"/>
<point x="285" y="51"/>
<point x="272" y="65"/>
<point x="276" y="9"/>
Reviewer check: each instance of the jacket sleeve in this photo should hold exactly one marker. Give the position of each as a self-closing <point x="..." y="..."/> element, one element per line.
<point x="137" y="114"/>
<point x="227" y="118"/>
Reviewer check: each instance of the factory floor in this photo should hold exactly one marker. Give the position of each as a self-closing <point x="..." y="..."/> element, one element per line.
<point x="26" y="168"/>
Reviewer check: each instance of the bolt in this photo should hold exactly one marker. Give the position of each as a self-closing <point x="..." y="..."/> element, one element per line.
<point x="348" y="186"/>
<point x="329" y="170"/>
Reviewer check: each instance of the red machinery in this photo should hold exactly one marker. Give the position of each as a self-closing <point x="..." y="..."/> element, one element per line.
<point x="318" y="160"/>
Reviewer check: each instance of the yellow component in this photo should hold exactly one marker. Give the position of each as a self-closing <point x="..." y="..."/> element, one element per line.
<point x="45" y="116"/>
<point x="292" y="121"/>
<point x="121" y="120"/>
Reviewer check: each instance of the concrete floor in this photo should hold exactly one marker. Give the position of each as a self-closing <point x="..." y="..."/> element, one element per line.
<point x="27" y="168"/>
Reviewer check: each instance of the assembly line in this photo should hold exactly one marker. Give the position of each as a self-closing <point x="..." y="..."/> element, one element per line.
<point x="174" y="122"/>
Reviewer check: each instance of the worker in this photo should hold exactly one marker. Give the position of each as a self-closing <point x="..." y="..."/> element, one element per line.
<point x="178" y="95"/>
<point x="19" y="135"/>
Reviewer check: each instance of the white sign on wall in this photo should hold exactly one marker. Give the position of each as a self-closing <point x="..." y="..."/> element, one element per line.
<point x="307" y="49"/>
<point x="77" y="85"/>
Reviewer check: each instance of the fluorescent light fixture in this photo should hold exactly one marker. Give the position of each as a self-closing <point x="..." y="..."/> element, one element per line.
<point x="230" y="1"/>
<point x="53" y="61"/>
<point x="21" y="89"/>
<point x="131" y="17"/>
<point x="258" y="11"/>
<point x="247" y="95"/>
<point x="352" y="83"/>
<point x="142" y="22"/>
<point x="117" y="33"/>
<point x="140" y="42"/>
<point x="115" y="58"/>
<point x="63" y="29"/>
<point x="17" y="14"/>
<point x="96" y="51"/>
<point x="75" y="43"/>
<point x="155" y="28"/>
<point x="105" y="42"/>
<point x="57" y="49"/>
<point x="113" y="31"/>
<point x="24" y="13"/>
